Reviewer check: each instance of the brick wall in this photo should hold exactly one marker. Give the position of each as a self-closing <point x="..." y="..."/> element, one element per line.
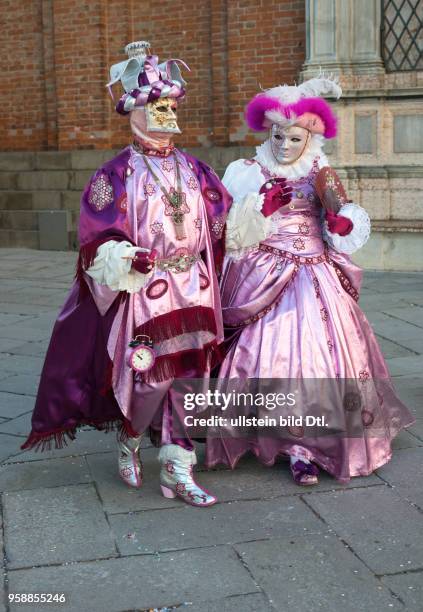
<point x="53" y="95"/>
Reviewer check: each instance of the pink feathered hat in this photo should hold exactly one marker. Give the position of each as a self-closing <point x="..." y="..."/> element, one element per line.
<point x="296" y="105"/>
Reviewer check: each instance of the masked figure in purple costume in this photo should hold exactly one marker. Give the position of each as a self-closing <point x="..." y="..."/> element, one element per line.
<point x="145" y="306"/>
<point x="289" y="292"/>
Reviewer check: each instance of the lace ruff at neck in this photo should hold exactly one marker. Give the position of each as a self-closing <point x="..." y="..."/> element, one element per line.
<point x="310" y="162"/>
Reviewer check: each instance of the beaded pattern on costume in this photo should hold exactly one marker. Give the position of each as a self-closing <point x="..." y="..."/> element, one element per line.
<point x="101" y="193"/>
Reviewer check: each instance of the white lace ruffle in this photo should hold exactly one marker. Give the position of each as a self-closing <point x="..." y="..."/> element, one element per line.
<point x="111" y="269"/>
<point x="299" y="168"/>
<point x="359" y="234"/>
<point x="245" y="224"/>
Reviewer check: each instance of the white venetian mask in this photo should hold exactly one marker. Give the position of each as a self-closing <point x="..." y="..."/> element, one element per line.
<point x="288" y="143"/>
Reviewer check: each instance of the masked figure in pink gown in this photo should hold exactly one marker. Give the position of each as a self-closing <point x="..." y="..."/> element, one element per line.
<point x="145" y="306"/>
<point x="290" y="291"/>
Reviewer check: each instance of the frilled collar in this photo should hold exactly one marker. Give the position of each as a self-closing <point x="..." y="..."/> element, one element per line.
<point x="298" y="169"/>
<point x="162" y="152"/>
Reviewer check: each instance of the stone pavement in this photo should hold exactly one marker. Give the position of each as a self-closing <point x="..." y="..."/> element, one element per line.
<point x="69" y="525"/>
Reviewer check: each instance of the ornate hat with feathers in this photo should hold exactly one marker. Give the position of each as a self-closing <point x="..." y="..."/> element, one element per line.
<point x="300" y="105"/>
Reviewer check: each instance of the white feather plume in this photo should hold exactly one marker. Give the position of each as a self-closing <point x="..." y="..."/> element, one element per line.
<point x="322" y="85"/>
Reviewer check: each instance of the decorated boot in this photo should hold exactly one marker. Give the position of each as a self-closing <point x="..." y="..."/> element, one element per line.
<point x="176" y="476"/>
<point x="130" y="466"/>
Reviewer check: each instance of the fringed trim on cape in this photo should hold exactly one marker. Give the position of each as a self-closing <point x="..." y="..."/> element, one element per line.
<point x="177" y="322"/>
<point x="58" y="438"/>
<point x="177" y="365"/>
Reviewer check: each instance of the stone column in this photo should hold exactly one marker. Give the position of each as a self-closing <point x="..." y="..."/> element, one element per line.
<point x="343" y="36"/>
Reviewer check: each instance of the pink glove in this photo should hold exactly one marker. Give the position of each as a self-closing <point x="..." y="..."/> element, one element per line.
<point x="143" y="262"/>
<point x="276" y="194"/>
<point x="337" y="224"/>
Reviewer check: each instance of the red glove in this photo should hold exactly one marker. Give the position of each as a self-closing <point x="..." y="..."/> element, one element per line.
<point x="337" y="224"/>
<point x="276" y="194"/>
<point x="143" y="262"/>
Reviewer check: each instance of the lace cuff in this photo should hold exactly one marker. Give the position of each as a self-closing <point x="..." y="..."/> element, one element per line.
<point x="111" y="269"/>
<point x="245" y="224"/>
<point x="359" y="234"/>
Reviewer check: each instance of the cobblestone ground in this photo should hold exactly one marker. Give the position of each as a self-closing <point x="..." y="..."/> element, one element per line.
<point x="68" y="524"/>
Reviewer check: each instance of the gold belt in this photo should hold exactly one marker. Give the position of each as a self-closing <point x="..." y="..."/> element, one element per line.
<point x="178" y="263"/>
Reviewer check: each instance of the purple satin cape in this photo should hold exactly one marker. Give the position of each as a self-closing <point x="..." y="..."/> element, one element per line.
<point x="75" y="386"/>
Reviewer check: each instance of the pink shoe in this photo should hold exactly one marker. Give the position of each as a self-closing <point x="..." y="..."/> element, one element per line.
<point x="304" y="473"/>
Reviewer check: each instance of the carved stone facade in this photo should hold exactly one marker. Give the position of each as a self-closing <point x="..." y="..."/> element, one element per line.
<point x="379" y="150"/>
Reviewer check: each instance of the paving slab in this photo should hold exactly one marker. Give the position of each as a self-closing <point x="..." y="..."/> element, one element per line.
<point x="12" y="405"/>
<point x="44" y="474"/>
<point x="398" y="331"/>
<point x="20" y="426"/>
<point x="257" y="602"/>
<point x="410" y="391"/>
<point x="21" y="384"/>
<point x="405" y="474"/>
<point x="9" y="445"/>
<point x="405" y="366"/>
<point x="55" y="525"/>
<point x="392" y="349"/>
<point x="417" y="429"/>
<point x="411" y="314"/>
<point x="405" y="439"/>
<point x="316" y="572"/>
<point x="17" y="333"/>
<point x="140" y="583"/>
<point x="16" y="364"/>
<point x="188" y="527"/>
<point x="37" y="348"/>
<point x="360" y="517"/>
<point x="409" y="587"/>
<point x="86" y="442"/>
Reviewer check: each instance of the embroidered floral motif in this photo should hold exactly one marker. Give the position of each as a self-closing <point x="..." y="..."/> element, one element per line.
<point x="316" y="287"/>
<point x="304" y="229"/>
<point x="299" y="244"/>
<point x="169" y="467"/>
<point x="166" y="165"/>
<point x="363" y="376"/>
<point x="324" y="313"/>
<point x="212" y="194"/>
<point x="156" y="227"/>
<point x="192" y="183"/>
<point x="149" y="189"/>
<point x="217" y="227"/>
<point x="197" y="223"/>
<point x="101" y="193"/>
<point x="180" y="488"/>
<point x="126" y="472"/>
